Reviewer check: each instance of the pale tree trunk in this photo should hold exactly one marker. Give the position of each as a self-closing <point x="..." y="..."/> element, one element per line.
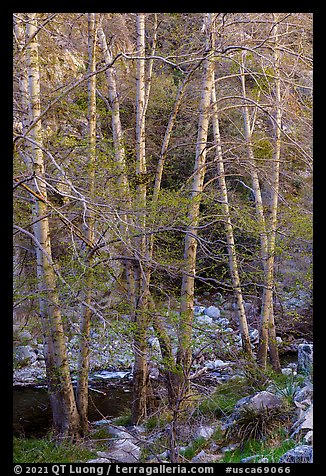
<point x="267" y="298"/>
<point x="248" y="129"/>
<point x="274" y="207"/>
<point x="123" y="194"/>
<point x="140" y="371"/>
<point x="159" y="327"/>
<point x="117" y="133"/>
<point x="233" y="262"/>
<point x="85" y="321"/>
<point x="65" y="415"/>
<point x="184" y="355"/>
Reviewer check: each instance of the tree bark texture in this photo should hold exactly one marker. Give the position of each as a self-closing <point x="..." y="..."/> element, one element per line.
<point x="85" y="321"/>
<point x="184" y="356"/>
<point x="233" y="262"/>
<point x="140" y="372"/>
<point x="65" y="415"/>
<point x="268" y="317"/>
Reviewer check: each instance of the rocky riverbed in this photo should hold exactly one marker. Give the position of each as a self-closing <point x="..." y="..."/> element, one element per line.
<point x="217" y="343"/>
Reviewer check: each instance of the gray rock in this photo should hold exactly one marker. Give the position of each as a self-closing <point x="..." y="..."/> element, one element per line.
<point x="223" y="321"/>
<point x="231" y="447"/>
<point x="213" y="312"/>
<point x="204" y="457"/>
<point x="101" y="422"/>
<point x="216" y="364"/>
<point x="308" y="437"/>
<point x="98" y="460"/>
<point x="165" y="455"/>
<point x="288" y="371"/>
<point x="154" y="343"/>
<point x="204" y="432"/>
<point x="203" y="319"/>
<point x="250" y="459"/>
<point x="299" y="454"/>
<point x="305" y="358"/>
<point x="305" y="422"/>
<point x="24" y="354"/>
<point x="123" y="451"/>
<point x="259" y="400"/>
<point x="120" y="433"/>
<point x="306" y="393"/>
<point x="254" y="336"/>
<point x="26" y="335"/>
<point x="199" y="310"/>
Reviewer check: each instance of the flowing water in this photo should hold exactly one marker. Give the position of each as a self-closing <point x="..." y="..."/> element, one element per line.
<point x="109" y="397"/>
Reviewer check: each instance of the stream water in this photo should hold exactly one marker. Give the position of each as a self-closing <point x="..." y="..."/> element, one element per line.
<point x="32" y="411"/>
<point x="110" y="394"/>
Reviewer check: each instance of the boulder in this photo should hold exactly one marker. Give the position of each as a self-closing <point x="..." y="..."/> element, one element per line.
<point x="288" y="371"/>
<point x="304" y="424"/>
<point x="24" y="355"/>
<point x="304" y="394"/>
<point x="308" y="437"/>
<point x="259" y="400"/>
<point x="204" y="432"/>
<point x="305" y="358"/>
<point x="299" y="454"/>
<point x="122" y="451"/>
<point x="203" y="319"/>
<point x="213" y="312"/>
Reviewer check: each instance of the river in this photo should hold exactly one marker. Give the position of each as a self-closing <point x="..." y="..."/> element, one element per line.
<point x="109" y="396"/>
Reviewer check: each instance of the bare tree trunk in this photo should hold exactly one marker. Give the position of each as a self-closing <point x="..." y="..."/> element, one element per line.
<point x="85" y="321"/>
<point x="184" y="356"/>
<point x="65" y="415"/>
<point x="274" y="203"/>
<point x="140" y="372"/>
<point x="136" y="252"/>
<point x="119" y="148"/>
<point x="248" y="129"/>
<point x="233" y="262"/>
<point x="267" y="314"/>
